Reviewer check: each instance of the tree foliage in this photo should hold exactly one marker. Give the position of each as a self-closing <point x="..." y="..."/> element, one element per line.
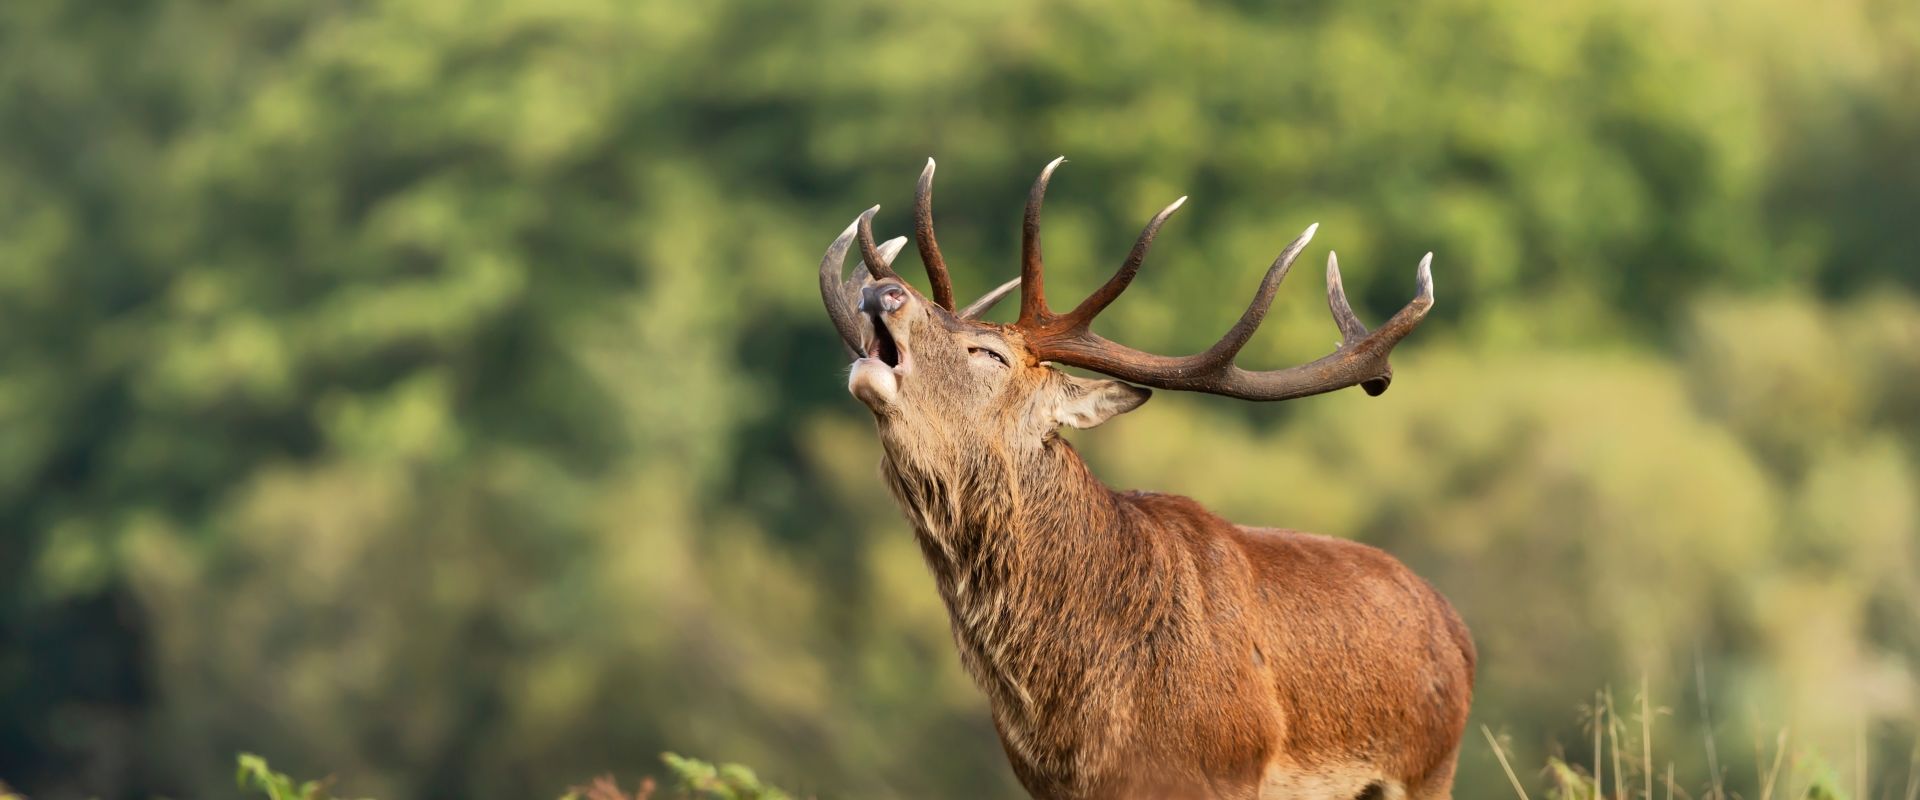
<point x="436" y="393"/>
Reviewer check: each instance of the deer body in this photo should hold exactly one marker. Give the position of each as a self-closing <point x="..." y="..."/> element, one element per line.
<point x="1135" y="645"/>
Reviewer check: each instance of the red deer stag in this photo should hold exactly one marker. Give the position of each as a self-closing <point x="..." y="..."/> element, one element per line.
<point x="1132" y="644"/>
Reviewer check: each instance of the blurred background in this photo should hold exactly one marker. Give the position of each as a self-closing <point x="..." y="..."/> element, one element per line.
<point x="437" y="395"/>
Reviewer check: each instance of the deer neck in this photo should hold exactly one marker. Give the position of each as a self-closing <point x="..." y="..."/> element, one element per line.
<point x="1045" y="577"/>
<point x="1002" y="520"/>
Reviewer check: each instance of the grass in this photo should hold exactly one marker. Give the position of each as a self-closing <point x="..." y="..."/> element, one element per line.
<point x="693" y="780"/>
<point x="1636" y="775"/>
<point x="1623" y="768"/>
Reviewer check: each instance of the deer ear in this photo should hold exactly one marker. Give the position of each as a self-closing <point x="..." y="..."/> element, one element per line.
<point x="1086" y="402"/>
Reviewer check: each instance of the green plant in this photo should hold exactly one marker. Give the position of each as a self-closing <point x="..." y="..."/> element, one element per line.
<point x="704" y="781"/>
<point x="697" y="780"/>
<point x="253" y="773"/>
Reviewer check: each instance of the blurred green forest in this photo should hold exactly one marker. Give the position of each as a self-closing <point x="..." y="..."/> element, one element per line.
<point x="436" y="394"/>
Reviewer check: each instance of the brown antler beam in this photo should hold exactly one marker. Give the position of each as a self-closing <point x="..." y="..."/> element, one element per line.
<point x="1361" y="358"/>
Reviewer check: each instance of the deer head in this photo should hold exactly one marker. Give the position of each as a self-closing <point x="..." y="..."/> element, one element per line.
<point x="937" y="376"/>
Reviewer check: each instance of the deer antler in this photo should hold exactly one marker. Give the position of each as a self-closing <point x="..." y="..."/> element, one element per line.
<point x="877" y="260"/>
<point x="989" y="300"/>
<point x="842" y="296"/>
<point x="923" y="238"/>
<point x="1360" y="359"/>
<point x="937" y="266"/>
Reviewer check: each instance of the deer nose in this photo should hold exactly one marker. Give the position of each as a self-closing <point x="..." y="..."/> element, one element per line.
<point x="884" y="298"/>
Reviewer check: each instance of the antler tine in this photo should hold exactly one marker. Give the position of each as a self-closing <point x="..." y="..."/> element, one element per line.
<point x="1350" y="326"/>
<point x="1083" y="314"/>
<point x="1033" y="294"/>
<point x="861" y="275"/>
<point x="890" y="249"/>
<point x="833" y="292"/>
<point x="1353" y="333"/>
<point x="1361" y="358"/>
<point x="881" y="268"/>
<point x="923" y="238"/>
<point x="1236" y="337"/>
<point x="989" y="300"/>
<point x="1400" y="324"/>
<point x="1423" y="280"/>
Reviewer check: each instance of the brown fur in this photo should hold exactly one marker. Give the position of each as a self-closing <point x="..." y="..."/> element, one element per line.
<point x="1135" y="645"/>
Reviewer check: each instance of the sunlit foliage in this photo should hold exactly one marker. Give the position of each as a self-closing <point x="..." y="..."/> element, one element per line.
<point x="435" y="393"/>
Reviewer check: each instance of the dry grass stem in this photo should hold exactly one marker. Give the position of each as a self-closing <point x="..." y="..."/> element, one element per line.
<point x="1646" y="738"/>
<point x="1501" y="753"/>
<point x="1773" y="775"/>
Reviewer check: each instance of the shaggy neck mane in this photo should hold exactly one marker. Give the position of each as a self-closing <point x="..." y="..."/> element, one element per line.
<point x="1046" y="574"/>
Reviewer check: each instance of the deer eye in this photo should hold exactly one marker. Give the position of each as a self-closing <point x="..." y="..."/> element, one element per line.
<point x="981" y="351"/>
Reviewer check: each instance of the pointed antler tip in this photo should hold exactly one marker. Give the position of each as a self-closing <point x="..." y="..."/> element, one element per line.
<point x="989" y="300"/>
<point x="891" y="247"/>
<point x="870" y="252"/>
<point x="1423" y="279"/>
<point x="1310" y="230"/>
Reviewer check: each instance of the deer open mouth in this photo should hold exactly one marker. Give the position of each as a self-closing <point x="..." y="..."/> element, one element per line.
<point x="881" y="344"/>
<point x="884" y="355"/>
<point x="875" y="377"/>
